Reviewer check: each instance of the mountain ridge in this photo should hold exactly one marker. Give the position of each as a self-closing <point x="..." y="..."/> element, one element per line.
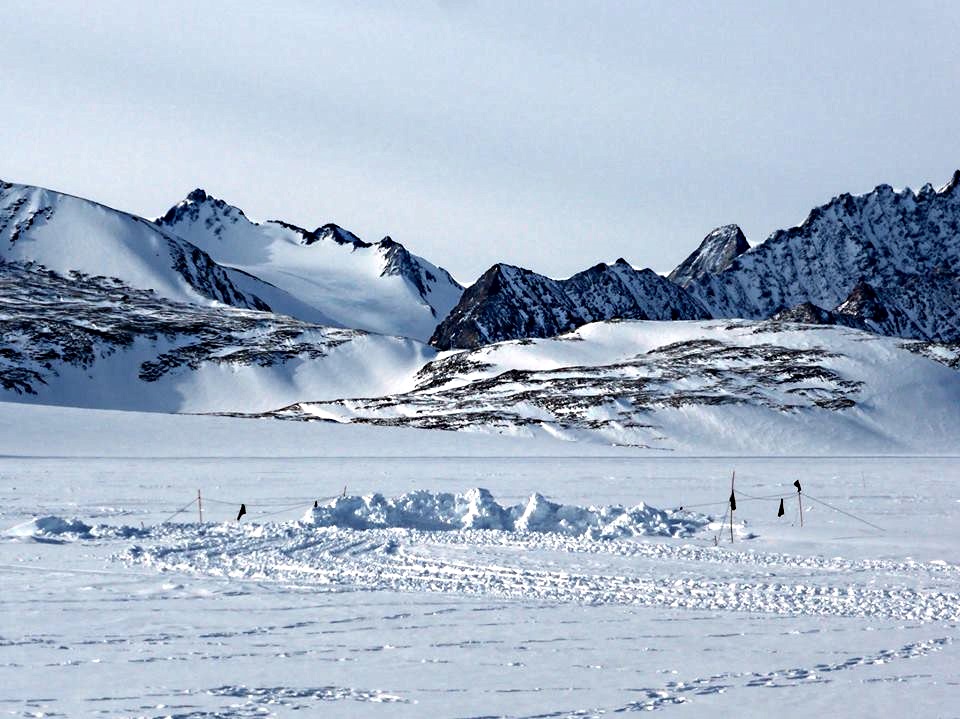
<point x="379" y="287"/>
<point x="904" y="243"/>
<point x="509" y="302"/>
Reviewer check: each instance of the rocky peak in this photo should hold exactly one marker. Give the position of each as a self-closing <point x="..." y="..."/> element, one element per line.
<point x="864" y="302"/>
<point x="514" y="303"/>
<point x="331" y="231"/>
<point x="200" y="206"/>
<point x="808" y="313"/>
<point x="889" y="239"/>
<point x="716" y="253"/>
<point x="399" y="262"/>
<point x="198" y="195"/>
<point x="952" y="185"/>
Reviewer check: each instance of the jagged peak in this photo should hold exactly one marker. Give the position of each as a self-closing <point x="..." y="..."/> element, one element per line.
<point x="715" y="253"/>
<point x="883" y="190"/>
<point x="334" y="232"/>
<point x="191" y="204"/>
<point x="952" y="185"/>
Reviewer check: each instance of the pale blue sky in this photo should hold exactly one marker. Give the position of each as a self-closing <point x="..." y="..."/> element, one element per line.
<point x="549" y="135"/>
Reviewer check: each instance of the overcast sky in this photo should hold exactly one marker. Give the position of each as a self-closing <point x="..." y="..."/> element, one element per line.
<point x="548" y="135"/>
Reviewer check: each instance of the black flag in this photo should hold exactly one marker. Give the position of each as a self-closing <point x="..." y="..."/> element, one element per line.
<point x="243" y="511"/>
<point x="796" y="484"/>
<point x="733" y="502"/>
<point x="780" y="511"/>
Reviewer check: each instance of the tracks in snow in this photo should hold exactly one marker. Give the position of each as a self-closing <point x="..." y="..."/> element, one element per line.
<point x="531" y="566"/>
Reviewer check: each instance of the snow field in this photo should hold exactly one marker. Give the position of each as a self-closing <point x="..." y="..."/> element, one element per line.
<point x="280" y="616"/>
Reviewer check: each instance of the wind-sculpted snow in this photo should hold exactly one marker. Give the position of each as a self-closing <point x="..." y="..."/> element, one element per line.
<point x="92" y="341"/>
<point x="477" y="509"/>
<point x="905" y="244"/>
<point x="53" y="528"/>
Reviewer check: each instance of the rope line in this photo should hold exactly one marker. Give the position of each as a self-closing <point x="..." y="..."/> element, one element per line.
<point x="727" y="502"/>
<point x="182" y="509"/>
<point x="742" y="497"/>
<point x="837" y="509"/>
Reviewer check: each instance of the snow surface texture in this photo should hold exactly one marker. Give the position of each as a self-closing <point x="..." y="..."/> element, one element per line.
<point x="905" y="245"/>
<point x="716" y="386"/>
<point x="93" y="342"/>
<point x="510" y="303"/>
<point x="388" y="547"/>
<point x="377" y="287"/>
<point x="124" y="610"/>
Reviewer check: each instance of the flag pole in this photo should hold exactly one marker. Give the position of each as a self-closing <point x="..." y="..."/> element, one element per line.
<point x="733" y="504"/>
<point x="799" y="499"/>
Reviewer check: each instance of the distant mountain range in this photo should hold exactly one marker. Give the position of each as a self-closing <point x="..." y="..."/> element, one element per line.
<point x="886" y="261"/>
<point x="205" y="310"/>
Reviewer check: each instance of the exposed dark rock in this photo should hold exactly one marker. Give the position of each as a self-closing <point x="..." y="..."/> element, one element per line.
<point x="904" y="246"/>
<point x="511" y="303"/>
<point x="808" y="313"/>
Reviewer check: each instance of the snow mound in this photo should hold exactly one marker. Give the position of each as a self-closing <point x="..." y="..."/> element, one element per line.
<point x="52" y="528"/>
<point x="477" y="509"/>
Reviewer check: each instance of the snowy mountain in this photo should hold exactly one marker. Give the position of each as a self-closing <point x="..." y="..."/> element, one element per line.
<point x="716" y="386"/>
<point x="66" y="233"/>
<point x="715" y="254"/>
<point x="86" y="341"/>
<point x="378" y="287"/>
<point x="905" y="245"/>
<point x="511" y="303"/>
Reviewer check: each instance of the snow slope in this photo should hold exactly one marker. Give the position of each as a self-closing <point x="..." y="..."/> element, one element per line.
<point x="66" y="233"/>
<point x="94" y="342"/>
<point x="376" y="287"/>
<point x="26" y="431"/>
<point x="713" y="387"/>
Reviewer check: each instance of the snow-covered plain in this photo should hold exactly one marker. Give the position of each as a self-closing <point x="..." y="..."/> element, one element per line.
<point x="108" y="611"/>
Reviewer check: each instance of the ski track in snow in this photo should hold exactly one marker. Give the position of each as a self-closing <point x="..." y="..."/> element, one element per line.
<point x="391" y="550"/>
<point x="494" y="564"/>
